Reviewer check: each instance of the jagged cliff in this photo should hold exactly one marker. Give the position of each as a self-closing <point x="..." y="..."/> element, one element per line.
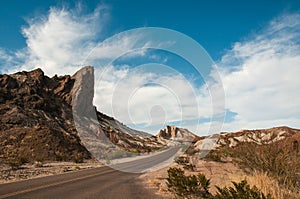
<point x="36" y="118"/>
<point x="176" y="134"/>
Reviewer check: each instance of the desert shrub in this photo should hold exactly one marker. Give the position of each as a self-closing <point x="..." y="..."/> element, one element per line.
<point x="14" y="165"/>
<point x="273" y="159"/>
<point x="241" y="190"/>
<point x="17" y="163"/>
<point x="187" y="186"/>
<point x="60" y="157"/>
<point x="184" y="161"/>
<point x="78" y="159"/>
<point x="181" y="160"/>
<point x="197" y="186"/>
<point x="214" y="156"/>
<point x="190" y="167"/>
<point x="218" y="155"/>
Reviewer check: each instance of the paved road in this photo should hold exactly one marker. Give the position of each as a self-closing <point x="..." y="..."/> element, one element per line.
<point x="145" y="164"/>
<point x="103" y="182"/>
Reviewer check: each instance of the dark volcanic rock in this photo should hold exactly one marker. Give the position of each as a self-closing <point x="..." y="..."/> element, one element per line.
<point x="36" y="120"/>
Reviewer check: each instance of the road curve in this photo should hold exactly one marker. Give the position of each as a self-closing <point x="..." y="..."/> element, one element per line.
<point x="98" y="183"/>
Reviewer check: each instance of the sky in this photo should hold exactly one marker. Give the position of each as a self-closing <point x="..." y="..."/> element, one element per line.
<point x="208" y="66"/>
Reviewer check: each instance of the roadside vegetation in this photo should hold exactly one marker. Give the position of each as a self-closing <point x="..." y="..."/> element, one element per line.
<point x="197" y="186"/>
<point x="274" y="167"/>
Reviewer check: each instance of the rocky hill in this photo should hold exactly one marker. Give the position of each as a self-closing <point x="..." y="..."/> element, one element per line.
<point x="173" y="133"/>
<point x="258" y="136"/>
<point x="37" y="120"/>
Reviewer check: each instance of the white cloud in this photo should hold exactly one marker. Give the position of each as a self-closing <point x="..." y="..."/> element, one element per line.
<point x="60" y="41"/>
<point x="149" y="100"/>
<point x="261" y="77"/>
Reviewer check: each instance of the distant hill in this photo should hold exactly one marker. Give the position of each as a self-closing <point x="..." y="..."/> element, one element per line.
<point x="173" y="133"/>
<point x="281" y="134"/>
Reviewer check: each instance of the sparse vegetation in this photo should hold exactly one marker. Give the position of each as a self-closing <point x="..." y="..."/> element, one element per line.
<point x="184" y="161"/>
<point x="197" y="186"/>
<point x="181" y="160"/>
<point x="187" y="186"/>
<point x="78" y="159"/>
<point x="273" y="159"/>
<point x="279" y="161"/>
<point x="217" y="155"/>
<point x="60" y="157"/>
<point x="241" y="190"/>
<point x="190" y="167"/>
<point x="17" y="163"/>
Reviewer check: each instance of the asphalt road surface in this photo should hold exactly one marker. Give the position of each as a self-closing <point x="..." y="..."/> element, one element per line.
<point x="103" y="182"/>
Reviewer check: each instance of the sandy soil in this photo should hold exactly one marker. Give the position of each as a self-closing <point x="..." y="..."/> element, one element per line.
<point x="28" y="171"/>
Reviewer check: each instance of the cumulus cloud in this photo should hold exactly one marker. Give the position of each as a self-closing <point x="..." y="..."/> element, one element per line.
<point x="150" y="100"/>
<point x="261" y="76"/>
<point x="59" y="41"/>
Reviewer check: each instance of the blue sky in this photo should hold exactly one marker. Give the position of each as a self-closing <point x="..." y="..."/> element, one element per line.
<point x="254" y="44"/>
<point x="215" y="24"/>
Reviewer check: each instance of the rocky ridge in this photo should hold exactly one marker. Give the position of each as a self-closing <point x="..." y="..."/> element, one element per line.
<point x="36" y="118"/>
<point x="258" y="136"/>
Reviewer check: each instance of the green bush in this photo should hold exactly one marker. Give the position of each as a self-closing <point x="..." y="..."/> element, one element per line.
<point x="197" y="186"/>
<point x="240" y="191"/>
<point x="184" y="161"/>
<point x="181" y="160"/>
<point x="187" y="186"/>
<point x="274" y="159"/>
<point x="190" y="167"/>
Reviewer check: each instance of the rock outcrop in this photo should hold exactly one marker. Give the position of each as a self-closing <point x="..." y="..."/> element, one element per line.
<point x="36" y="118"/>
<point x="174" y="133"/>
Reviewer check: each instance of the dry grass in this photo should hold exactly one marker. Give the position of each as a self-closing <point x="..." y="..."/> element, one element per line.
<point x="270" y="186"/>
<point x="274" y="168"/>
<point x="266" y="184"/>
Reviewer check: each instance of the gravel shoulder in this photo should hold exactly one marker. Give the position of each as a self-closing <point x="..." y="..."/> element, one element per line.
<point x="30" y="171"/>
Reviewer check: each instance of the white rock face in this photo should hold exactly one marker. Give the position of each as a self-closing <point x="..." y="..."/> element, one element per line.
<point x="262" y="136"/>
